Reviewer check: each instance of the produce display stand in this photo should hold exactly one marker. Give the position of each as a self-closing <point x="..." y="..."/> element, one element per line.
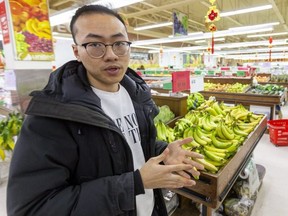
<point x="211" y="189"/>
<point x="247" y="99"/>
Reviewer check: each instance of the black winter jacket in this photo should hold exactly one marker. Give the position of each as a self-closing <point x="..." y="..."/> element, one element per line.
<point x="71" y="159"/>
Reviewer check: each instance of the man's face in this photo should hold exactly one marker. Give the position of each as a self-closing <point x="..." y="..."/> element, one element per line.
<point x="106" y="72"/>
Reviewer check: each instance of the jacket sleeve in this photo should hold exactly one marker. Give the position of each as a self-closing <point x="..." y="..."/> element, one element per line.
<point x="40" y="177"/>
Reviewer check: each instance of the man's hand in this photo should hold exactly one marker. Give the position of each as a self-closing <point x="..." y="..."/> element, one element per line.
<point x="178" y="155"/>
<point x="155" y="175"/>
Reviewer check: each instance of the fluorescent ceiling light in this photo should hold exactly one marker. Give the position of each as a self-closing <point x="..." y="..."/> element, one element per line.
<point x="223" y="46"/>
<point x="116" y="3"/>
<point x="65" y="16"/>
<point x="223" y="33"/>
<point x="248" y="10"/>
<point x="254" y="26"/>
<point x="153" y="26"/>
<point x="204" y="41"/>
<point x="189" y="34"/>
<point x="268" y="35"/>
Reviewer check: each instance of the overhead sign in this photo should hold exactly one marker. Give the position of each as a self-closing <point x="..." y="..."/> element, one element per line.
<point x="180" y="23"/>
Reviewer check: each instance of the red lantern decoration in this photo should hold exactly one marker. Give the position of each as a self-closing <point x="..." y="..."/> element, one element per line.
<point x="211" y="17"/>
<point x="270" y="48"/>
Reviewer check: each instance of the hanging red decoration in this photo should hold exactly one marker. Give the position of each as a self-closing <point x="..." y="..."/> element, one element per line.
<point x="270" y="48"/>
<point x="212" y="16"/>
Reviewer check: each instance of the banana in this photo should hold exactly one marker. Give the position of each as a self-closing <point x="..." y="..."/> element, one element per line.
<point x="211" y="111"/>
<point x="242" y="115"/>
<point x="228" y="119"/>
<point x="219" y="144"/>
<point x="208" y="125"/>
<point x="213" y="156"/>
<point x="160" y="134"/>
<point x="219" y="132"/>
<point x="228" y="134"/>
<point x="217" y="108"/>
<point x="216" y="163"/>
<point x="233" y="148"/>
<point x="213" y="149"/>
<point x="202" y="135"/>
<point x="198" y="139"/>
<point x="240" y="132"/>
<point x="208" y="166"/>
<point x="220" y="154"/>
<point x="236" y="111"/>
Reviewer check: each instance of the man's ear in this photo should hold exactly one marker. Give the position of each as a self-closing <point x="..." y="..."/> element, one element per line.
<point x="76" y="53"/>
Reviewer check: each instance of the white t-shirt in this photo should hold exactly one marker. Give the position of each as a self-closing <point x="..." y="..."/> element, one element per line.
<point x="119" y="107"/>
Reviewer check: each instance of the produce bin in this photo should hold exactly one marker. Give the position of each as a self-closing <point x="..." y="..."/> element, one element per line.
<point x="211" y="189"/>
<point x="278" y="131"/>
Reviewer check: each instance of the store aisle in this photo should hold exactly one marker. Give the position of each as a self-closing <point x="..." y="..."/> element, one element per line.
<point x="273" y="196"/>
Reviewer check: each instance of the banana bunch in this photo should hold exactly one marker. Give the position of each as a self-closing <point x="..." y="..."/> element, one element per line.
<point x="164" y="132"/>
<point x="9" y="128"/>
<point x="180" y="126"/>
<point x="39" y="28"/>
<point x="194" y="100"/>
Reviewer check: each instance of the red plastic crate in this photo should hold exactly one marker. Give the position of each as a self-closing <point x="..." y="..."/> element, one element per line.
<point x="278" y="131"/>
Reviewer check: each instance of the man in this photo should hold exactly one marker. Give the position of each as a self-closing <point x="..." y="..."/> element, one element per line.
<point x="87" y="146"/>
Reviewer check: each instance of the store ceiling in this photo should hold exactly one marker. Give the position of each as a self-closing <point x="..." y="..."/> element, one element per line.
<point x="157" y="11"/>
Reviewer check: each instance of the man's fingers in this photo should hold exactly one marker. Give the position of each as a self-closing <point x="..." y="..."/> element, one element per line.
<point x="161" y="157"/>
<point x="194" y="155"/>
<point x="194" y="164"/>
<point x="185" y="141"/>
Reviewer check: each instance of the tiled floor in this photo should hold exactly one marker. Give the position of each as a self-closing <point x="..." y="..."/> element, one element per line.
<point x="272" y="198"/>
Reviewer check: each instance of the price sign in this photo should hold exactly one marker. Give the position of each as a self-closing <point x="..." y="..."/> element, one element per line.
<point x="180" y="81"/>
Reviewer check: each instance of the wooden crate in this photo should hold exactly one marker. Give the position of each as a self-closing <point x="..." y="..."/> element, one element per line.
<point x="177" y="104"/>
<point x="211" y="189"/>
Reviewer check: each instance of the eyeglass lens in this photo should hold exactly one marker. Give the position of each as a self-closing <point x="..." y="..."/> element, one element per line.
<point x="99" y="49"/>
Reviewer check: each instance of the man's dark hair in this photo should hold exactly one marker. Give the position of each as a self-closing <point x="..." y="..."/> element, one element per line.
<point x="92" y="9"/>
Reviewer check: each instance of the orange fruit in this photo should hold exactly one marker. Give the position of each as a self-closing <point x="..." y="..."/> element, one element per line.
<point x="16" y="7"/>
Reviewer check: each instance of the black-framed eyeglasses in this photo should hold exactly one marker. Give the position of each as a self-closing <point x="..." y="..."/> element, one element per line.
<point x="98" y="49"/>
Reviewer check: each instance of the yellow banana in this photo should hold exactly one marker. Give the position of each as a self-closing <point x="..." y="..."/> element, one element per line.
<point x="214" y="149"/>
<point x="216" y="107"/>
<point x="219" y="144"/>
<point x="211" y="111"/>
<point x="240" y="132"/>
<point x="226" y="132"/>
<point x="213" y="156"/>
<point x="216" y="163"/>
<point x="202" y="135"/>
<point x="198" y="139"/>
<point x="208" y="166"/>
<point x="219" y="132"/>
